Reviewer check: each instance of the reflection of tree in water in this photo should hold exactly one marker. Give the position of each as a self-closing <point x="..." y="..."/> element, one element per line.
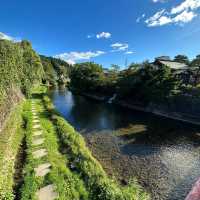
<point x="90" y="115"/>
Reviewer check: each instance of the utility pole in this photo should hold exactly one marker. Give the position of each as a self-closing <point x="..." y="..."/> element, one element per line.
<point x="126" y="63"/>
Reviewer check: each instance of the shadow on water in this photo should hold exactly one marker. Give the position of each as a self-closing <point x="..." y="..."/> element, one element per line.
<point x="163" y="154"/>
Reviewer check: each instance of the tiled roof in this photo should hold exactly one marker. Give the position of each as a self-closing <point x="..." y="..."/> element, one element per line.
<point x="174" y="65"/>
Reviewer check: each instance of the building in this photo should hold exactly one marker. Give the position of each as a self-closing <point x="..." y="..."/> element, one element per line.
<point x="180" y="70"/>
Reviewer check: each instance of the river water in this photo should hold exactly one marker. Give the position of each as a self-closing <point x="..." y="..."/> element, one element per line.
<point x="164" y="155"/>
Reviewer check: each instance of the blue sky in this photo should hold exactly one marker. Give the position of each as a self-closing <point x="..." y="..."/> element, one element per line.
<point x="105" y="31"/>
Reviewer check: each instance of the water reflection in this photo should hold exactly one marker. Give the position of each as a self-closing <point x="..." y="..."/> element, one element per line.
<point x="163" y="154"/>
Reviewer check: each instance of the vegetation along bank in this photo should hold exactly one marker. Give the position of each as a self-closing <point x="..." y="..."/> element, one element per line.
<point x="165" y="87"/>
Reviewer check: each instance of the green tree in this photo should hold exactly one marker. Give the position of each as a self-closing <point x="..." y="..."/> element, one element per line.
<point x="182" y="59"/>
<point x="195" y="62"/>
<point x="146" y="84"/>
<point x="87" y="76"/>
<point x="57" y="70"/>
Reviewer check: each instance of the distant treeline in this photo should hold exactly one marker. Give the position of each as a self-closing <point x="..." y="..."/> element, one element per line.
<point x="56" y="70"/>
<point x="141" y="83"/>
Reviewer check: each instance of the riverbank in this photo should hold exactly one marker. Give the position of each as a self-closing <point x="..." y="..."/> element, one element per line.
<point x="183" y="117"/>
<point x="57" y="161"/>
<point x="158" y="151"/>
<point x="89" y="169"/>
<point x="170" y="115"/>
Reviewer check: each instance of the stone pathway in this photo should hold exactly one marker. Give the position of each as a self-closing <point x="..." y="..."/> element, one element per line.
<point x="37" y="133"/>
<point x="36" y="126"/>
<point x="47" y="192"/>
<point x="42" y="169"/>
<point x="39" y="153"/>
<point x="38" y="141"/>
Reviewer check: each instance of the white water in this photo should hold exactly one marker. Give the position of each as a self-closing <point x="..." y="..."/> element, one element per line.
<point x="112" y="98"/>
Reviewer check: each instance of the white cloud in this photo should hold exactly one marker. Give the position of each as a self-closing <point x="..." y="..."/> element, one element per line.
<point x="119" y="47"/>
<point x="155" y="19"/>
<point x="6" y="37"/>
<point x="161" y="20"/>
<point x="105" y="35"/>
<point x="140" y="18"/>
<point x="159" y="1"/>
<point x="184" y="17"/>
<point x="186" y="6"/>
<point x="181" y="14"/>
<point x="89" y="36"/>
<point x="73" y="57"/>
<point x="129" y="52"/>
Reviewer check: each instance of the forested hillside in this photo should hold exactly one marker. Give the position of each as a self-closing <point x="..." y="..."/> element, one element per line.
<point x="56" y="70"/>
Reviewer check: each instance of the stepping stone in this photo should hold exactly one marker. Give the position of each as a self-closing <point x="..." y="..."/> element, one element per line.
<point x="40" y="153"/>
<point x="35" y="117"/>
<point x="38" y="141"/>
<point x="47" y="193"/>
<point x="36" y="126"/>
<point x="37" y="133"/>
<point x="43" y="169"/>
<point x="36" y="121"/>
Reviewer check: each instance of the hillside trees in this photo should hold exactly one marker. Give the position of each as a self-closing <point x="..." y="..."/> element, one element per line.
<point x="147" y="83"/>
<point x="32" y="67"/>
<point x="87" y="77"/>
<point x="20" y="67"/>
<point x="143" y="84"/>
<point x="56" y="70"/>
<point x="182" y="59"/>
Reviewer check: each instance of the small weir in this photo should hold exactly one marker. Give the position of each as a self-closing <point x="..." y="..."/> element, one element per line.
<point x="112" y="98"/>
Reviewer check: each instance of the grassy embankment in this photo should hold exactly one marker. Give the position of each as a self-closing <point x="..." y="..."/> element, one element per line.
<point x="10" y="139"/>
<point x="67" y="184"/>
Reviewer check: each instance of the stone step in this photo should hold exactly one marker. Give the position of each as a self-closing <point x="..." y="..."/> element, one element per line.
<point x="35" y="117"/>
<point x="36" y="121"/>
<point x="40" y="153"/>
<point x="38" y="141"/>
<point x="37" y="133"/>
<point x="47" y="193"/>
<point x="36" y="126"/>
<point x="43" y="169"/>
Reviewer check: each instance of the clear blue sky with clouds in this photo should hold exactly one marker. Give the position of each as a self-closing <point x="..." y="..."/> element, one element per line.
<point x="105" y="31"/>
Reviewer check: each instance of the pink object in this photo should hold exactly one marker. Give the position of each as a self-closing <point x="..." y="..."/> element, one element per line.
<point x="195" y="192"/>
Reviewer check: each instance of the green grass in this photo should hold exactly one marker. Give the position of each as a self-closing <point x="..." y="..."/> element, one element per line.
<point x="68" y="184"/>
<point x="99" y="185"/>
<point x="10" y="139"/>
<point x="39" y="89"/>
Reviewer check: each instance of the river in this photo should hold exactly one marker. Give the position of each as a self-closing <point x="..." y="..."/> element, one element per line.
<point x="164" y="155"/>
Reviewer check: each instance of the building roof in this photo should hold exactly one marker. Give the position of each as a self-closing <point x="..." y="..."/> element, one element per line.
<point x="174" y="65"/>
